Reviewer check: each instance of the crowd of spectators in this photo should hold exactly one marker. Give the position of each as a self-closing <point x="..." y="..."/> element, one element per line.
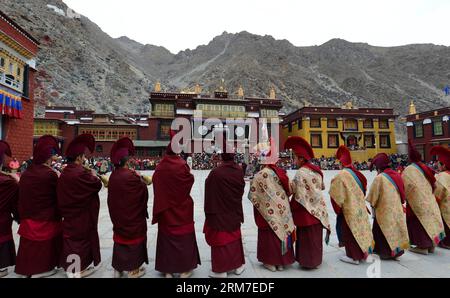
<point x="208" y="161"/>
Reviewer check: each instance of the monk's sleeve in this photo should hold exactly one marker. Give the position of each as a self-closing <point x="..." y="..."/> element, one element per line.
<point x="136" y="184"/>
<point x="14" y="186"/>
<point x="375" y="192"/>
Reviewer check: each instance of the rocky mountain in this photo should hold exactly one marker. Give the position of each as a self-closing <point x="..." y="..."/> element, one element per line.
<point x="81" y="65"/>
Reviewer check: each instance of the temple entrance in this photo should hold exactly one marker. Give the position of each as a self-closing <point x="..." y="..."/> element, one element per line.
<point x="351" y="140"/>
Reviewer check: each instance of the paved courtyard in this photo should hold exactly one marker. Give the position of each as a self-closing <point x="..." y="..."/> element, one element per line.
<point x="410" y="264"/>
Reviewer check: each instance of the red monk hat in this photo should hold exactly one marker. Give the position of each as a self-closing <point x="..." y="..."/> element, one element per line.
<point x="343" y="155"/>
<point x="122" y="148"/>
<point x="4" y="150"/>
<point x="300" y="146"/>
<point x="79" y="145"/>
<point x="46" y="147"/>
<point x="414" y="155"/>
<point x="380" y="161"/>
<point x="443" y="155"/>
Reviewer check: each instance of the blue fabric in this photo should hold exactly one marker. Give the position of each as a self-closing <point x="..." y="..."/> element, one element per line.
<point x="392" y="181"/>
<point x="356" y="178"/>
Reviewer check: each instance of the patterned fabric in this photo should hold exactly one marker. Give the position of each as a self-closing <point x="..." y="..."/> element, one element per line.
<point x="442" y="192"/>
<point x="420" y="197"/>
<point x="385" y="199"/>
<point x="307" y="188"/>
<point x="268" y="196"/>
<point x="347" y="194"/>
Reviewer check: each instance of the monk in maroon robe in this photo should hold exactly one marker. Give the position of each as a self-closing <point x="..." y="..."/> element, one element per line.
<point x="79" y="205"/>
<point x="308" y="205"/>
<point x="421" y="227"/>
<point x="382" y="247"/>
<point x="353" y="251"/>
<point x="173" y="211"/>
<point x="40" y="226"/>
<point x="9" y="194"/>
<point x="127" y="203"/>
<point x="224" y="189"/>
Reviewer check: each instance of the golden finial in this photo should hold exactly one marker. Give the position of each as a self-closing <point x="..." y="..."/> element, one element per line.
<point x="240" y="92"/>
<point x="197" y="89"/>
<point x="158" y="87"/>
<point x="272" y="94"/>
<point x="412" y="108"/>
<point x="222" y="86"/>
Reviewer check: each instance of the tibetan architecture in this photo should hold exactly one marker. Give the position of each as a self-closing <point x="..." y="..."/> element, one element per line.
<point x="428" y="129"/>
<point x="227" y="108"/>
<point x="18" y="50"/>
<point x="365" y="131"/>
<point x="67" y="122"/>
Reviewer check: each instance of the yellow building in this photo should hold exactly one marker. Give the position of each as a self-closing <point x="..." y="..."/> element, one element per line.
<point x="366" y="132"/>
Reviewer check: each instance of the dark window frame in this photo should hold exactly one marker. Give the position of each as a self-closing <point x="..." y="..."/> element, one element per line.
<point x="328" y="123"/>
<point x="382" y="121"/>
<point x="368" y="126"/>
<point x="337" y="140"/>
<point x="320" y="139"/>
<point x="389" y="145"/>
<point x="290" y="127"/>
<point x="415" y="130"/>
<point x="299" y="124"/>
<point x="160" y="124"/>
<point x="442" y="128"/>
<point x="373" y="140"/>
<point x="310" y="123"/>
<point x="351" y="129"/>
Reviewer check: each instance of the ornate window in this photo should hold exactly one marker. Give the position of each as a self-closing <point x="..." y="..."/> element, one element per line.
<point x="383" y="124"/>
<point x="333" y="140"/>
<point x="368" y="123"/>
<point x="418" y="130"/>
<point x="437" y="128"/>
<point x="163" y="110"/>
<point x="316" y="140"/>
<point x="369" y="141"/>
<point x="332" y="123"/>
<point x="351" y="124"/>
<point x="385" y="141"/>
<point x="314" y="123"/>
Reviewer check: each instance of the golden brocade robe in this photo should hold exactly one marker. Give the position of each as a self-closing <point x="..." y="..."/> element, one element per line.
<point x="385" y="199"/>
<point x="349" y="196"/>
<point x="307" y="187"/>
<point x="419" y="194"/>
<point x="442" y="192"/>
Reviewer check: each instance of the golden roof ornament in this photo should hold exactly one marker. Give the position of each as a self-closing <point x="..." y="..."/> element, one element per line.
<point x="412" y="108"/>
<point x="272" y="94"/>
<point x="240" y="92"/>
<point x="348" y="106"/>
<point x="158" y="87"/>
<point x="197" y="89"/>
<point x="222" y="86"/>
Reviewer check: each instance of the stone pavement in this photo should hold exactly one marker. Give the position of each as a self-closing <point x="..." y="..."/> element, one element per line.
<point x="410" y="264"/>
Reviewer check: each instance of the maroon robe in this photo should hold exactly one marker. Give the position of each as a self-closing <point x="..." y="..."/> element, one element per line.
<point x="127" y="203"/>
<point x="9" y="194"/>
<point x="446" y="240"/>
<point x="418" y="236"/>
<point x="352" y="248"/>
<point x="224" y="189"/>
<point x="382" y="247"/>
<point x="173" y="211"/>
<point x="79" y="205"/>
<point x="40" y="226"/>
<point x="308" y="247"/>
<point x="269" y="248"/>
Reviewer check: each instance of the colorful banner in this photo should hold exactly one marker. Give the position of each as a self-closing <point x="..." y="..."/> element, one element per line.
<point x="11" y="105"/>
